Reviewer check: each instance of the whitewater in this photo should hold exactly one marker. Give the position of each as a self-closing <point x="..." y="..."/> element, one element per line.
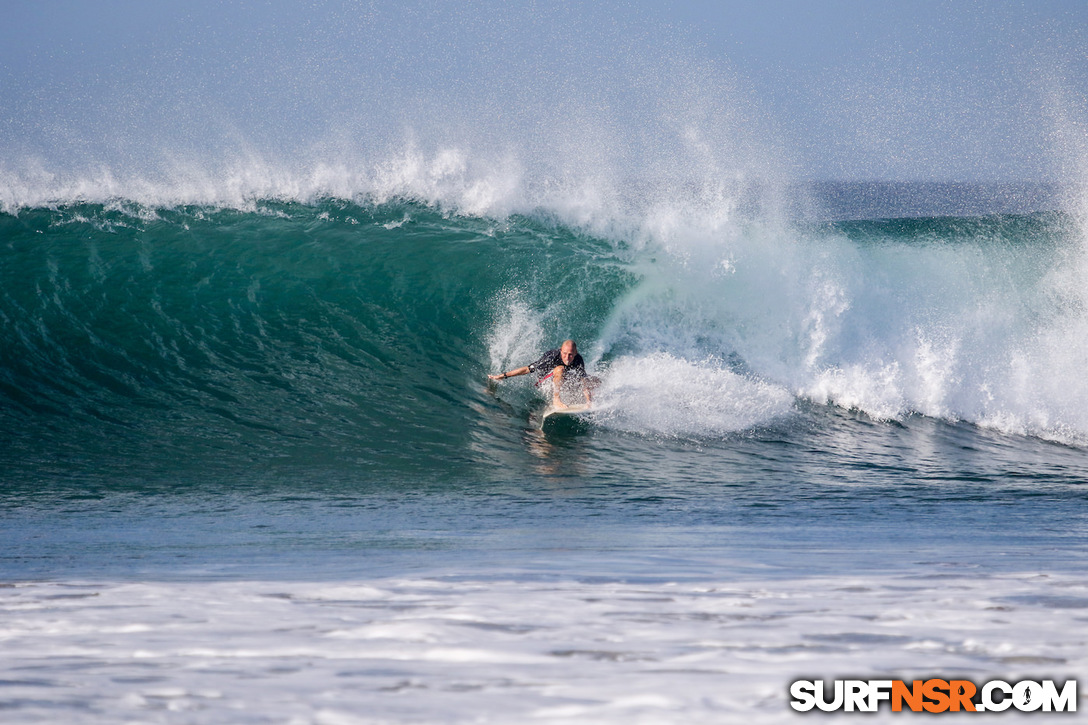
<point x="252" y="469"/>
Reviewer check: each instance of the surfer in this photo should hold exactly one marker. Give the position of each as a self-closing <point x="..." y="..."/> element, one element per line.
<point x="564" y="367"/>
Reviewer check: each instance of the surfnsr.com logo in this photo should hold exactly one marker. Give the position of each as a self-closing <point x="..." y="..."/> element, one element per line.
<point x="934" y="695"/>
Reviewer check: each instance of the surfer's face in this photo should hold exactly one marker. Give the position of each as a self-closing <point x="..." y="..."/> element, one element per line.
<point x="567" y="353"/>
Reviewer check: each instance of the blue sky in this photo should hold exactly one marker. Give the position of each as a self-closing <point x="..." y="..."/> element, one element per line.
<point x="841" y="89"/>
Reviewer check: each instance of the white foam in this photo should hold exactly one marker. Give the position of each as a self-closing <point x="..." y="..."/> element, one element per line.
<point x="514" y="651"/>
<point x="989" y="331"/>
<point x="665" y="395"/>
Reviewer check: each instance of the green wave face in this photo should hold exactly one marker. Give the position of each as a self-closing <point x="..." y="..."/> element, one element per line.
<point x="332" y="334"/>
<point x="356" y="338"/>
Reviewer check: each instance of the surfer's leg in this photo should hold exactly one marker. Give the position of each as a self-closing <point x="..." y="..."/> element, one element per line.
<point x="557" y="386"/>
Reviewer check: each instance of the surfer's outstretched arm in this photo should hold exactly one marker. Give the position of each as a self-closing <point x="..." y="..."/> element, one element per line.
<point x="523" y="370"/>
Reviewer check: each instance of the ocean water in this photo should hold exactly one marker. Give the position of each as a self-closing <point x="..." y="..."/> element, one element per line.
<point x="258" y="259"/>
<point x="251" y="469"/>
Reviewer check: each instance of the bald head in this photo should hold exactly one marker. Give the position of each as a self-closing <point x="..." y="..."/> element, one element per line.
<point x="568" y="351"/>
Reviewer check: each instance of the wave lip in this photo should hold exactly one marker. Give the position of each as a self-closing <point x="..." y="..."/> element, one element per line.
<point x="292" y="325"/>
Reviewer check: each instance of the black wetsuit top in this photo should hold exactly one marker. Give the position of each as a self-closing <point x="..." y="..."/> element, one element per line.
<point x="550" y="360"/>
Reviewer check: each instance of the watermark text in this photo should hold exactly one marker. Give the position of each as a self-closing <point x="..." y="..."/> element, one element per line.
<point x="933" y="695"/>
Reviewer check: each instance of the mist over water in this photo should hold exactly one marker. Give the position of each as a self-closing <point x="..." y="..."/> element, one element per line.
<point x="485" y="112"/>
<point x="667" y="231"/>
<point x="656" y="219"/>
<point x="256" y="265"/>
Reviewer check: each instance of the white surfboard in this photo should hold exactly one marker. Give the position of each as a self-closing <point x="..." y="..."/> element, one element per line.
<point x="553" y="412"/>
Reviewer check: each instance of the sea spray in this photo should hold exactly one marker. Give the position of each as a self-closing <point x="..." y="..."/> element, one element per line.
<point x="600" y="182"/>
<point x="957" y="319"/>
<point x="659" y="394"/>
